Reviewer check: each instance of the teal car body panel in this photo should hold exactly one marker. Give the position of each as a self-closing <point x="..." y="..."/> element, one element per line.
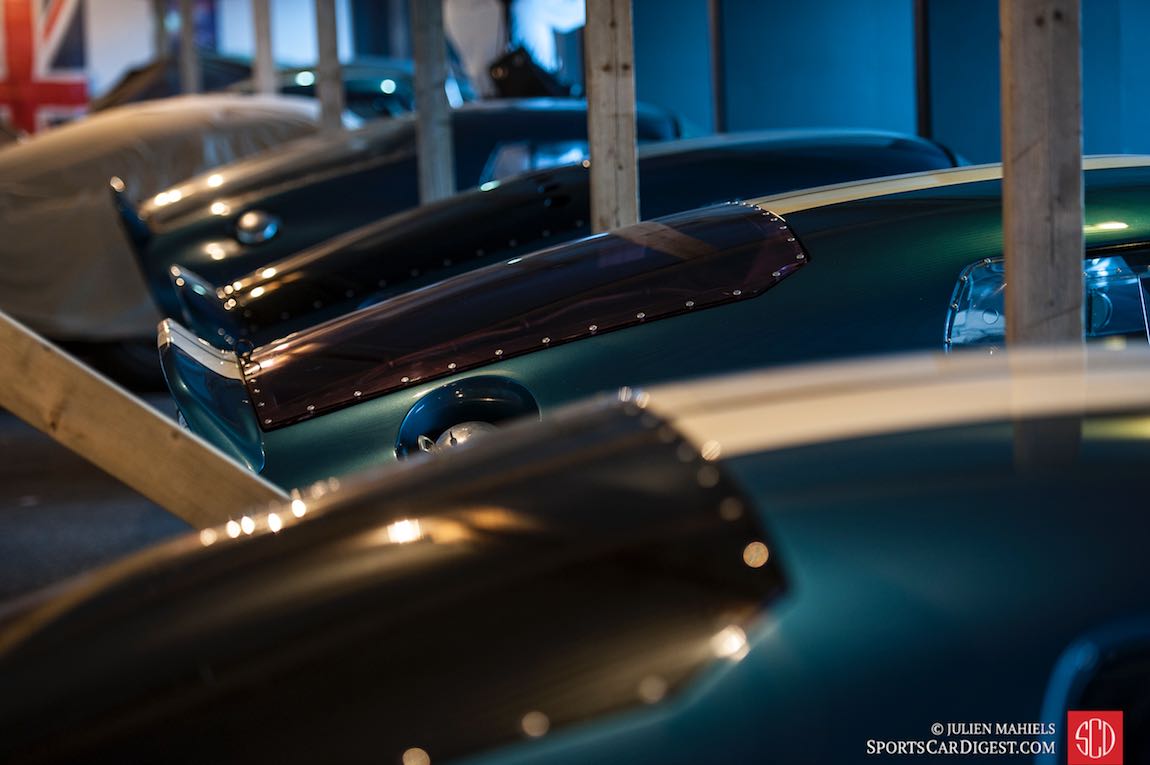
<point x="881" y="275"/>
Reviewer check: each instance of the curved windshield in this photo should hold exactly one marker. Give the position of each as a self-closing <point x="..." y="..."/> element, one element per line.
<point x="635" y="274"/>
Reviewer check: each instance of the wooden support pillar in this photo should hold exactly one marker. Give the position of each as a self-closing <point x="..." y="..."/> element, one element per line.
<point x="329" y="73"/>
<point x="263" y="63"/>
<point x="122" y="435"/>
<point x="161" y="43"/>
<point x="611" y="114"/>
<point x="433" y="114"/>
<point x="190" y="79"/>
<point x="1042" y="169"/>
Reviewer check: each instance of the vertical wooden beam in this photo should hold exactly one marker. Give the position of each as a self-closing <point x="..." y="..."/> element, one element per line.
<point x="398" y="29"/>
<point x="328" y="72"/>
<point x="263" y="63"/>
<point x="190" y="79"/>
<point x="611" y="114"/>
<point x="433" y="113"/>
<point x="122" y="435"/>
<point x="923" y="100"/>
<point x="1042" y="169"/>
<point x="160" y="40"/>
<point x="718" y="70"/>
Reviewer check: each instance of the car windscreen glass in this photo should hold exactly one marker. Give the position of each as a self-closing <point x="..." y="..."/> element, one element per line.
<point x="636" y="274"/>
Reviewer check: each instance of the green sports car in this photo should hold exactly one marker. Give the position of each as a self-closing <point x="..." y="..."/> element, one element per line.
<point x="911" y="262"/>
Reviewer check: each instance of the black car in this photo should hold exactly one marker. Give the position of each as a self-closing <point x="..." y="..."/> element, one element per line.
<point x="525" y="213"/>
<point x="225" y="223"/>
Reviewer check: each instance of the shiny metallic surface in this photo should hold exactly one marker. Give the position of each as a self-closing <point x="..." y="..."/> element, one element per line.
<point x="257" y="227"/>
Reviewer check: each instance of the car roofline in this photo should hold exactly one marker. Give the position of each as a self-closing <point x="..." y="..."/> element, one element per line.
<point x="752" y="412"/>
<point x="823" y="196"/>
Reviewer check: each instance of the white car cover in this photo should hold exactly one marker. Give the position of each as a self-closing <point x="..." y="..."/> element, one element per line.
<point x="66" y="268"/>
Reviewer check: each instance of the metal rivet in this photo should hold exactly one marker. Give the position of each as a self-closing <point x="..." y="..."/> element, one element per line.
<point x="261" y="403"/>
<point x="800" y="256"/>
<point x="736" y="293"/>
<point x="546" y="340"/>
<point x="357" y="393"/>
<point x="777" y="274"/>
<point x="640" y="315"/>
<point x="593" y="327"/>
<point x="311" y="407"/>
<point x="499" y="352"/>
<point x="690" y="303"/>
<point x="405" y="379"/>
<point x="267" y="422"/>
<point x="451" y="365"/>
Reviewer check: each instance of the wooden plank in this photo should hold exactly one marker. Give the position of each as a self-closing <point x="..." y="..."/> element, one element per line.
<point x="611" y="114"/>
<point x="433" y="116"/>
<point x="122" y="435"/>
<point x="190" y="75"/>
<point x="329" y="73"/>
<point x="1042" y="169"/>
<point x="263" y="63"/>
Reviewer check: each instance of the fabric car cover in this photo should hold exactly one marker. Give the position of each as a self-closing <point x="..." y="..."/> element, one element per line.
<point x="66" y="268"/>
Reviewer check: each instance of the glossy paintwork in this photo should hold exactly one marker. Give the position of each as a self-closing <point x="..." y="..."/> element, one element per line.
<point x="933" y="582"/>
<point x="529" y="212"/>
<point x="881" y="275"/>
<point x="331" y="184"/>
<point x="276" y="639"/>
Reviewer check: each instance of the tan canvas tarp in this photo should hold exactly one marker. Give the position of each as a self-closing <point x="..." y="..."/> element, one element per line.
<point x="66" y="268"/>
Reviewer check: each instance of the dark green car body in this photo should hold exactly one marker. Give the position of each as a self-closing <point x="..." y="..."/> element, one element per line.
<point x="880" y="276"/>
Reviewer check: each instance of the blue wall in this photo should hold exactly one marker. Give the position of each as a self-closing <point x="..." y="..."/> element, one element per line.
<point x="673" y="58"/>
<point x="824" y="63"/>
<point x="1115" y="76"/>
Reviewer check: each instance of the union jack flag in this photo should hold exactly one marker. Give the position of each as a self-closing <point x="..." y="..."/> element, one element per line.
<point x="42" y="57"/>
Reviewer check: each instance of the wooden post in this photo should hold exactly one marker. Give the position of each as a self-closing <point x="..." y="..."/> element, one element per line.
<point x="160" y="40"/>
<point x="190" y="79"/>
<point x="328" y="74"/>
<point x="121" y="435"/>
<point x="263" y="63"/>
<point x="611" y="114"/>
<point x="433" y="114"/>
<point x="1042" y="169"/>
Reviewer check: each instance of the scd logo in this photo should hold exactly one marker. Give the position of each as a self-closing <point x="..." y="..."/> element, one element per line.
<point x="1094" y="738"/>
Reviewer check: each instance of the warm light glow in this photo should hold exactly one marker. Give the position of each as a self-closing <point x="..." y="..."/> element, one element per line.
<point x="258" y="291"/>
<point x="416" y="756"/>
<point x="305" y="78"/>
<point x="711" y="451"/>
<point x="387" y="86"/>
<point x="402" y="532"/>
<point x="730" y="643"/>
<point x="756" y="554"/>
<point x="281" y="347"/>
<point x="1106" y="225"/>
<point x="208" y="537"/>
<point x="535" y="724"/>
<point x="268" y="273"/>
<point x="247" y="524"/>
<point x="652" y="689"/>
<point x="219" y="208"/>
<point x="274" y="522"/>
<point x="215" y="250"/>
<point x="298" y="508"/>
<point x="233" y="529"/>
<point x="237" y="285"/>
<point x="215" y="180"/>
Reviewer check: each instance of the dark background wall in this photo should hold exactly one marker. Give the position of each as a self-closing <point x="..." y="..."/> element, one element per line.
<point x="851" y="63"/>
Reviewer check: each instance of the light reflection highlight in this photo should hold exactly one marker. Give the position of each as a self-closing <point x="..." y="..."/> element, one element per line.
<point x="215" y="250"/>
<point x="535" y="724"/>
<point x="257" y="292"/>
<point x="268" y="273"/>
<point x="1106" y="225"/>
<point x="275" y="523"/>
<point x="232" y="529"/>
<point x="403" y="532"/>
<point x="298" y="508"/>
<point x="416" y="756"/>
<point x="730" y="643"/>
<point x="756" y="555"/>
<point x="208" y="537"/>
<point x="215" y="180"/>
<point x="219" y="208"/>
<point x="247" y="524"/>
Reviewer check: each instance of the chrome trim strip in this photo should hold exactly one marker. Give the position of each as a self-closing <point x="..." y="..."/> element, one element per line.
<point x="753" y="412"/>
<point x="223" y="363"/>
<point x="823" y="196"/>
